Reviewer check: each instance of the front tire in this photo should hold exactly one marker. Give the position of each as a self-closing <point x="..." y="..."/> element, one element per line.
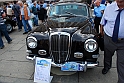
<point x="9" y="28"/>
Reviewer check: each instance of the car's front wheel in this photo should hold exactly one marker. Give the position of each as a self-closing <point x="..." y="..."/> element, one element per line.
<point x="9" y="27"/>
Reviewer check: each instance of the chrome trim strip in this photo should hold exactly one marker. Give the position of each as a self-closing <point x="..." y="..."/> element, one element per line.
<point x="44" y="51"/>
<point x="96" y="56"/>
<point x="30" y="58"/>
<point x="32" y="38"/>
<point x="28" y="51"/>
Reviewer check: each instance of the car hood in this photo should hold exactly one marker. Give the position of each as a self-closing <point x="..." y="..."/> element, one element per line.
<point x="66" y="22"/>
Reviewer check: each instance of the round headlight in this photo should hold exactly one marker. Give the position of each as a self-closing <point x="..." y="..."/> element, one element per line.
<point x="90" y="45"/>
<point x="32" y="42"/>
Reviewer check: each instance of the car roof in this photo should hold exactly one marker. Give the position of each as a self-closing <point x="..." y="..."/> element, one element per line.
<point x="71" y="2"/>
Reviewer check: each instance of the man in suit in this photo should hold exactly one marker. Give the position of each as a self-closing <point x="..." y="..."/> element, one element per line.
<point x="17" y="13"/>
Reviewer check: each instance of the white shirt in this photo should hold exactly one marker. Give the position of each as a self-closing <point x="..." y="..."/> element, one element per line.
<point x="9" y="11"/>
<point x="108" y="20"/>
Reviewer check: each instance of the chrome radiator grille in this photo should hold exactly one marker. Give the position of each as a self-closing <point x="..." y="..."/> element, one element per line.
<point x="59" y="46"/>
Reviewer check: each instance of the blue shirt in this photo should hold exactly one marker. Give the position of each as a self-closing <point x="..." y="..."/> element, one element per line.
<point x="30" y="5"/>
<point x="37" y="6"/>
<point x="44" y="5"/>
<point x="108" y="20"/>
<point x="97" y="10"/>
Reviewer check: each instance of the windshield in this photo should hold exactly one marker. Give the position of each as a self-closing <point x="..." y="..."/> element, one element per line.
<point x="75" y="9"/>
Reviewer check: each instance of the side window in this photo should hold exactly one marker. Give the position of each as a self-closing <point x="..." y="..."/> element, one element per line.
<point x="51" y="12"/>
<point x="83" y="10"/>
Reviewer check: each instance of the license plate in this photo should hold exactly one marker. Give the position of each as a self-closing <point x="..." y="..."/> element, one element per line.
<point x="72" y="66"/>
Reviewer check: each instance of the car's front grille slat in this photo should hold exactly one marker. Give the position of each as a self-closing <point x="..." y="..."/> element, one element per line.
<point x="59" y="43"/>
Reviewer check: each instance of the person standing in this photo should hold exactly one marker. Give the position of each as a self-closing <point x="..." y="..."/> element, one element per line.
<point x="42" y="14"/>
<point x="9" y="12"/>
<point x="17" y="13"/>
<point x="89" y="2"/>
<point x="25" y="16"/>
<point x="112" y="23"/>
<point x="98" y="12"/>
<point x="3" y="29"/>
<point x="35" y="12"/>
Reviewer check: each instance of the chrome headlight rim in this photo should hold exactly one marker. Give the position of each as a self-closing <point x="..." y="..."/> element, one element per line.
<point x="33" y="43"/>
<point x="88" y="47"/>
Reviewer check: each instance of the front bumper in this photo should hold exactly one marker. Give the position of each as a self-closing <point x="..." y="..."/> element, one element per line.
<point x="89" y="65"/>
<point x="85" y="65"/>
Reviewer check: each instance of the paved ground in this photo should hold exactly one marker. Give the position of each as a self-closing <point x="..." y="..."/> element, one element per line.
<point x="14" y="68"/>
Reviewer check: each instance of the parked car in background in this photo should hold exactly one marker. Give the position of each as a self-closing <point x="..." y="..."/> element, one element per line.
<point x="10" y="19"/>
<point x="67" y="37"/>
<point x="11" y="23"/>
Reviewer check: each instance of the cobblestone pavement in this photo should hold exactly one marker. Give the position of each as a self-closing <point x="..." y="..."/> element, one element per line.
<point x="15" y="68"/>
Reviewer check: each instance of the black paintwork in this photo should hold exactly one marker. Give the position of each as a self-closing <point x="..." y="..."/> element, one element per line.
<point x="79" y="28"/>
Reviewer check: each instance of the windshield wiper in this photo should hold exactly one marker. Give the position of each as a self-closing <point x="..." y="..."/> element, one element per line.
<point x="70" y="13"/>
<point x="67" y="16"/>
<point x="56" y="15"/>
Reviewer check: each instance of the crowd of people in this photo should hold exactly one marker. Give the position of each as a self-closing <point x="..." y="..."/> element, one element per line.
<point x="27" y="16"/>
<point x="30" y="11"/>
<point x="109" y="17"/>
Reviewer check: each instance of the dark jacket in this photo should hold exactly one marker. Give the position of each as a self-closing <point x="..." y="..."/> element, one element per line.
<point x="16" y="9"/>
<point x="42" y="14"/>
<point x="34" y="10"/>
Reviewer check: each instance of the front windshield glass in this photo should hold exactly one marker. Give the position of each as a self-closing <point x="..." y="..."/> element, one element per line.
<point x="75" y="9"/>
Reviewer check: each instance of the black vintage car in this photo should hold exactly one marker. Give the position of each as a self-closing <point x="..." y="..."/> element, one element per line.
<point x="67" y="37"/>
